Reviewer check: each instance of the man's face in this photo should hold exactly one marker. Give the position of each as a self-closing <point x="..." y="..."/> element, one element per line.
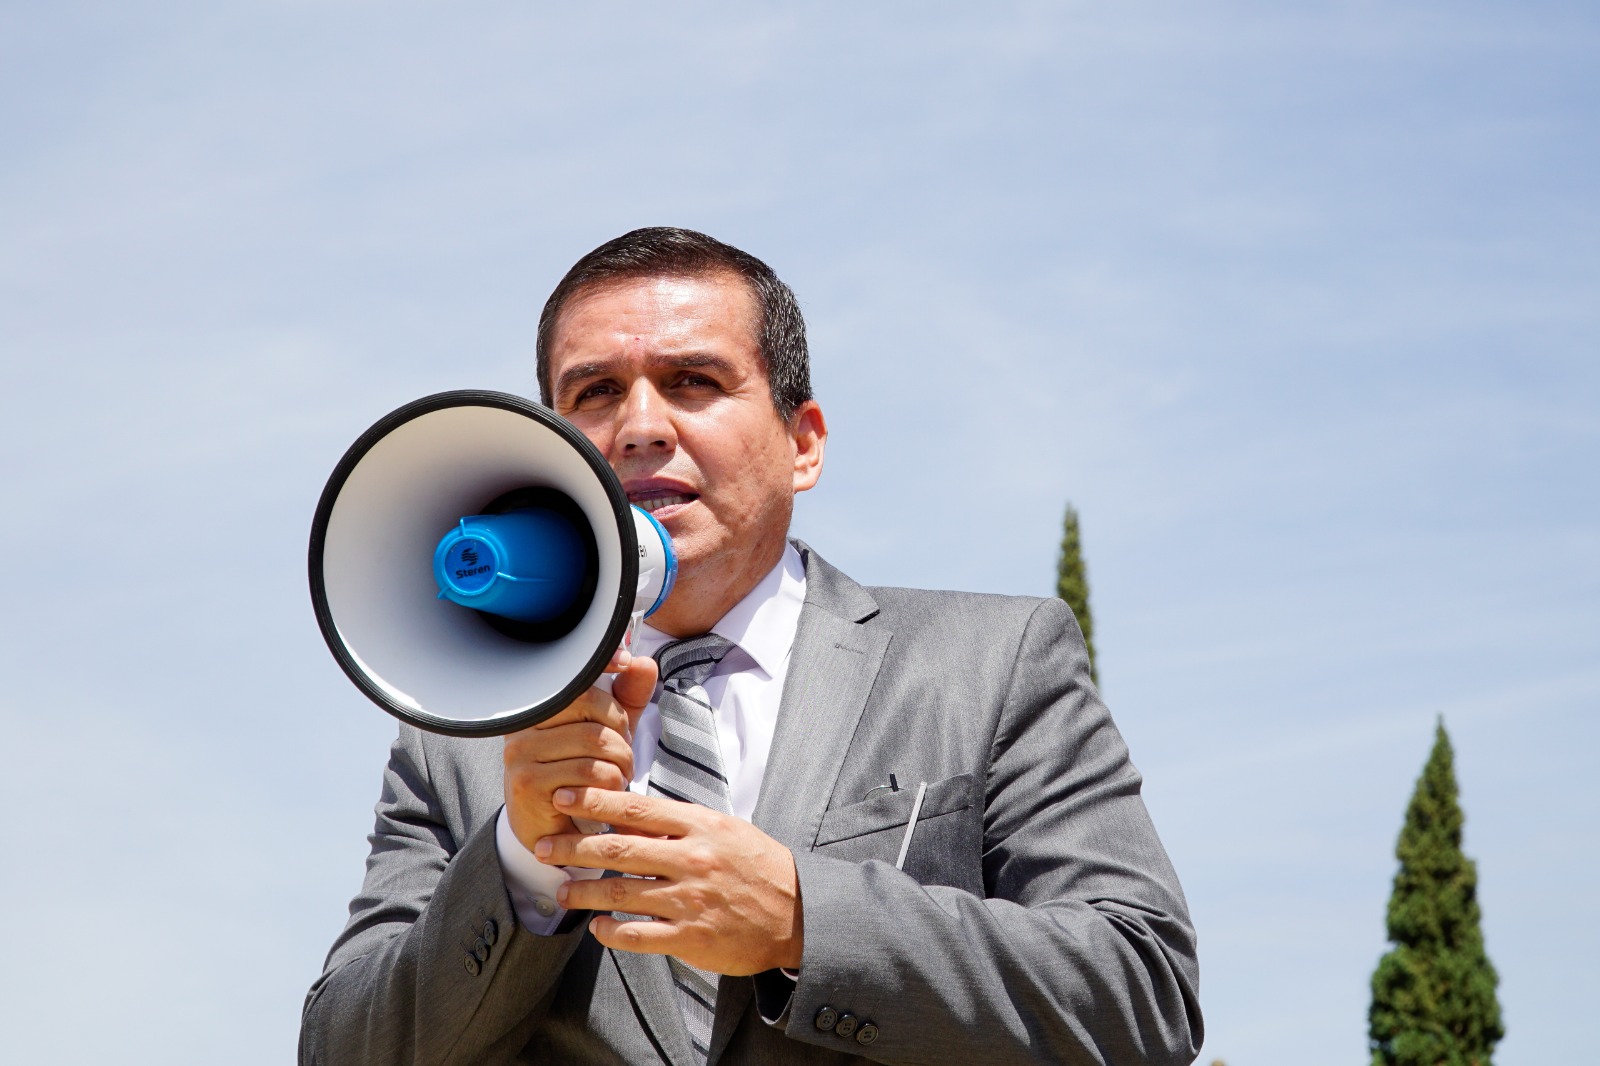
<point x="665" y="376"/>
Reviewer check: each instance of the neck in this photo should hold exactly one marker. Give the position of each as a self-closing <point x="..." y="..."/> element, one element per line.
<point x="711" y="589"/>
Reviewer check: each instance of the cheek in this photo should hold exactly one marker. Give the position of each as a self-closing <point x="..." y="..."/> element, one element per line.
<point x="598" y="430"/>
<point x="769" y="497"/>
<point x="757" y="477"/>
<point x="751" y="469"/>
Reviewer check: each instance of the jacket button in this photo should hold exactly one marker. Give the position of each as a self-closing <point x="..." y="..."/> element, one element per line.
<point x="846" y="1027"/>
<point x="481" y="950"/>
<point x="866" y="1034"/>
<point x="472" y="964"/>
<point x="491" y="932"/>
<point x="827" y="1018"/>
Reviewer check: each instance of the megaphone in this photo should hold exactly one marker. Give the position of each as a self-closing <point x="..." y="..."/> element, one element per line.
<point x="475" y="563"/>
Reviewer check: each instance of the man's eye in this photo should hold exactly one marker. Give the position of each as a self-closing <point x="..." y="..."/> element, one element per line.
<point x="593" y="392"/>
<point x="696" y="381"/>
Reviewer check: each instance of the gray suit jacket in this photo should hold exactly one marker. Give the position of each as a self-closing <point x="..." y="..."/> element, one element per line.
<point x="1036" y="919"/>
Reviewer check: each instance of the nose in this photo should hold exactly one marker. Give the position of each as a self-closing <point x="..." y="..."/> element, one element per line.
<point x="645" y="422"/>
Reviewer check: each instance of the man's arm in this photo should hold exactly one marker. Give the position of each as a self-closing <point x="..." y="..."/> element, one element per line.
<point x="1081" y="951"/>
<point x="397" y="986"/>
<point x="432" y="939"/>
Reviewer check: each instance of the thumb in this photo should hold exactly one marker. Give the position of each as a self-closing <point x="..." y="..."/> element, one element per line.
<point x="633" y="687"/>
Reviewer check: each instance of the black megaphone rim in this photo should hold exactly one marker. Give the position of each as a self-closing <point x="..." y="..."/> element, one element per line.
<point x="621" y="610"/>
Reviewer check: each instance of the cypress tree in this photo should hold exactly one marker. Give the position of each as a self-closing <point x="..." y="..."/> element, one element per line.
<point x="1072" y="582"/>
<point x="1433" y="994"/>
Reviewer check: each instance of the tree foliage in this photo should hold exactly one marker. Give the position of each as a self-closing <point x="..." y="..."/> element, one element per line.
<point x="1072" y="582"/>
<point x="1433" y="994"/>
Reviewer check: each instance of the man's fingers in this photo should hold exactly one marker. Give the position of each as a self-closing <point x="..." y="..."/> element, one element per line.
<point x="528" y="788"/>
<point x="646" y="814"/>
<point x="577" y="740"/>
<point x="592" y="705"/>
<point x="645" y="938"/>
<point x="634" y="686"/>
<point x="593" y="708"/>
<point x="538" y="780"/>
<point x="619" y="659"/>
<point x="631" y="895"/>
<point x="646" y="856"/>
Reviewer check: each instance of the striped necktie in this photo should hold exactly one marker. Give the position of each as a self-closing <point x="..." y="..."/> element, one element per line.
<point x="688" y="768"/>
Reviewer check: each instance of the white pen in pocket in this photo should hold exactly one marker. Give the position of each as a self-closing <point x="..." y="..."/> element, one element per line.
<point x="911" y="826"/>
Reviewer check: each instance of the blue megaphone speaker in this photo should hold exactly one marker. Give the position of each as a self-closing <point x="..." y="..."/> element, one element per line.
<point x="474" y="563"/>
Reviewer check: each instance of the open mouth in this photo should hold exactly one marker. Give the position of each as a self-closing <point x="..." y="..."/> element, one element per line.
<point x="657" y="501"/>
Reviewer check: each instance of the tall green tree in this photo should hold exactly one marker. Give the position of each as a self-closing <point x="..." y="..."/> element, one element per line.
<point x="1072" y="582"/>
<point x="1433" y="994"/>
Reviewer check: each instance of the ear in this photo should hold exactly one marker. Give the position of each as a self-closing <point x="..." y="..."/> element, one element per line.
<point x="808" y="430"/>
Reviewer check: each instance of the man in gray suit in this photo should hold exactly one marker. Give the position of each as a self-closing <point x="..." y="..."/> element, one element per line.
<point x="849" y="824"/>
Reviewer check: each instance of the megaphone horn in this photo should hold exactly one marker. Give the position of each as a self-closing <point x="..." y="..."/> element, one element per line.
<point x="474" y="563"/>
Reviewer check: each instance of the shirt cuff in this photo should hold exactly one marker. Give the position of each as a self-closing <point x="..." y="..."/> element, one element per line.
<point x="530" y="883"/>
<point x="774" y="994"/>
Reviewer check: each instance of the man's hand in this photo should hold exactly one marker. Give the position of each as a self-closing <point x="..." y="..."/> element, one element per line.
<point x="589" y="744"/>
<point x="725" y="895"/>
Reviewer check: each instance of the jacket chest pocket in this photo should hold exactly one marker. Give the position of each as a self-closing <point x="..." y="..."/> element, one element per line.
<point x="946" y="840"/>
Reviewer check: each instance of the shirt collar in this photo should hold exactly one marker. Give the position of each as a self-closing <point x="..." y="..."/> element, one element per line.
<point x="763" y="624"/>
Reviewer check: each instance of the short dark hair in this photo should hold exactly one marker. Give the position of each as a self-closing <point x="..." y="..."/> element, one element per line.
<point x="658" y="251"/>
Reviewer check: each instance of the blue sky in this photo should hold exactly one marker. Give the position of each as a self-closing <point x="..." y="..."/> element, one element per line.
<point x="1299" y="304"/>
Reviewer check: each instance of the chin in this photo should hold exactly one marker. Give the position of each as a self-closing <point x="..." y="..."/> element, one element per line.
<point x="697" y="551"/>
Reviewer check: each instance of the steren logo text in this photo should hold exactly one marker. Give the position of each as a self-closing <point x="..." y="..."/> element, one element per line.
<point x="470" y="557"/>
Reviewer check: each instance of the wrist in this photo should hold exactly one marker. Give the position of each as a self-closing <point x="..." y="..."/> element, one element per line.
<point x="790" y="945"/>
<point x="529" y="829"/>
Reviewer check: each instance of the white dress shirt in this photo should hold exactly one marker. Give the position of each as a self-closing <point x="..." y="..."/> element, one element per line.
<point x="745" y="691"/>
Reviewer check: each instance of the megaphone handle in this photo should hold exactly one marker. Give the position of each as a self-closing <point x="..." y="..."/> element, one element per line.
<point x="584" y="825"/>
<point x="604" y="683"/>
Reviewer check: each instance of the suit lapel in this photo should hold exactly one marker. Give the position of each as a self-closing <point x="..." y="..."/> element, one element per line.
<point x="830" y="676"/>
<point x="832" y="667"/>
<point x="649" y="981"/>
<point x="733" y="996"/>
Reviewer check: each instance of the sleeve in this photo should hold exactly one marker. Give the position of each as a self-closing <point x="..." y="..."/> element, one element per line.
<point x="531" y="884"/>
<point x="431" y="965"/>
<point x="1080" y="949"/>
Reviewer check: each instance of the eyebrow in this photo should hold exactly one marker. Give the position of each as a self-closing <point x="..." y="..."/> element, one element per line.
<point x="683" y="361"/>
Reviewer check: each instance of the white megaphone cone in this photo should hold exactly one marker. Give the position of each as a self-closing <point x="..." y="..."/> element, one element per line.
<point x="475" y="563"/>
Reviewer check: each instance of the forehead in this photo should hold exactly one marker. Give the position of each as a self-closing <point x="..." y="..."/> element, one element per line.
<point x="657" y="313"/>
